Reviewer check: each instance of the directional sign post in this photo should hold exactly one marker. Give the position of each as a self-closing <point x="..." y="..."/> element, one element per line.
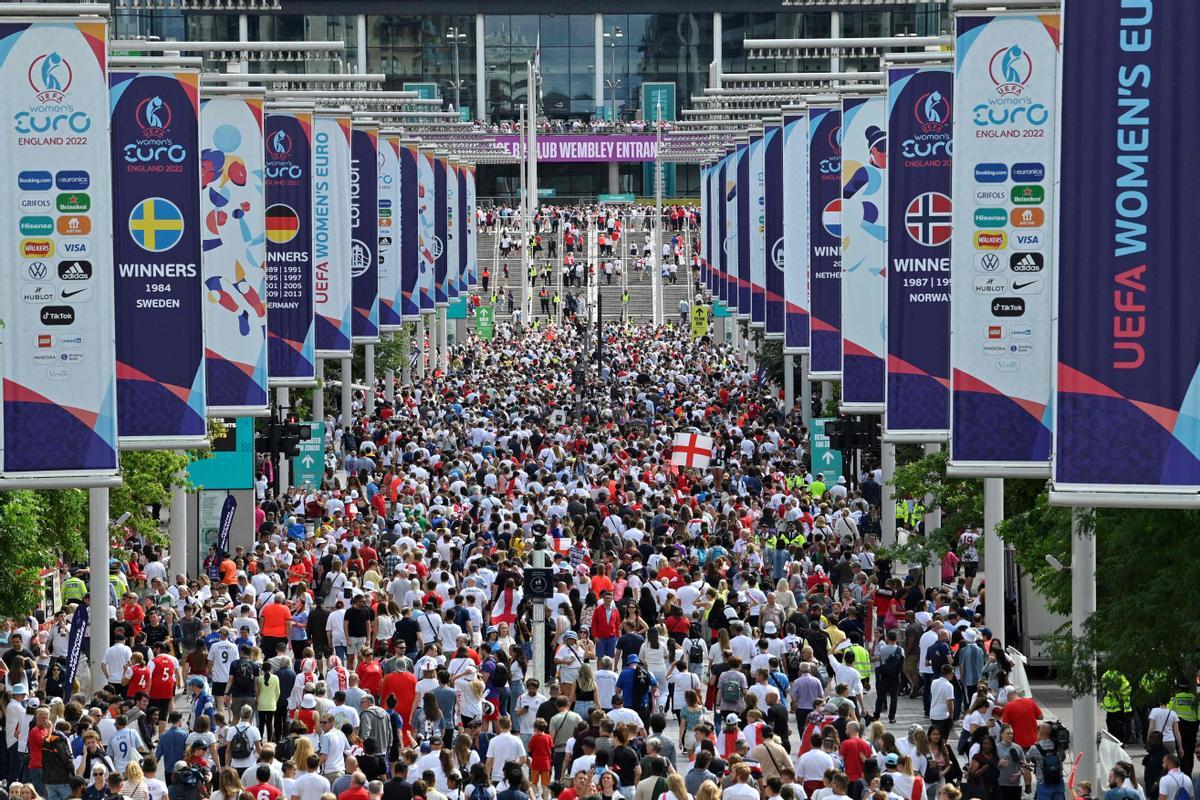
<point x="824" y="459"/>
<point x="485" y="323"/>
<point x="309" y="467"/>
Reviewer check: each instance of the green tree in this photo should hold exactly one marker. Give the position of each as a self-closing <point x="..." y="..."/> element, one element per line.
<point x="27" y="546"/>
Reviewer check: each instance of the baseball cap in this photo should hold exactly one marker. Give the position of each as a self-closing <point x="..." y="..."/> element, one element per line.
<point x="731" y="719"/>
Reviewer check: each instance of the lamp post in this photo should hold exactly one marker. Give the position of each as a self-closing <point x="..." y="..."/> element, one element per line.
<point x="456" y="36"/>
<point x="612" y="37"/>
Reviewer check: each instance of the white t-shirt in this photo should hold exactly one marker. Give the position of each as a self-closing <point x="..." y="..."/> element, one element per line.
<point x="310" y="786"/>
<point x="530" y="704"/>
<point x="680" y="682"/>
<point x="333" y="745"/>
<point x="252" y="735"/>
<point x="940" y="691"/>
<point x="1164" y="720"/>
<point x="114" y="661"/>
<point x="740" y="791"/>
<point x="502" y="749"/>
<point x="606" y="684"/>
<point x="123" y="748"/>
<point x="1170" y="784"/>
<point x="222" y="653"/>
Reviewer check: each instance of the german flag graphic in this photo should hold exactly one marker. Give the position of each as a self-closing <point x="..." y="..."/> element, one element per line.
<point x="282" y="223"/>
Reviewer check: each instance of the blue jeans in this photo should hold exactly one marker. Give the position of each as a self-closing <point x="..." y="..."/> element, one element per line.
<point x="1055" y="792"/>
<point x="16" y="764"/>
<point x="58" y="791"/>
<point x="606" y="647"/>
<point x="35" y="777"/>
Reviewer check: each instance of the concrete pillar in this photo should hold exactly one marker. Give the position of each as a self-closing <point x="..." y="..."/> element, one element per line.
<point x="389" y="381"/>
<point x="360" y="27"/>
<point x="347" y="392"/>
<point x="178" y="531"/>
<point x="481" y="87"/>
<point x="718" y="55"/>
<point x="789" y="383"/>
<point x="1083" y="605"/>
<point x="369" y="379"/>
<point x="933" y="521"/>
<point x="614" y="178"/>
<point x="826" y="394"/>
<point x="98" y="555"/>
<point x="443" y="345"/>
<point x="887" y="510"/>
<point x="283" y="400"/>
<point x="993" y="555"/>
<point x="406" y="357"/>
<point x="598" y="59"/>
<point x="805" y="392"/>
<point x="318" y="400"/>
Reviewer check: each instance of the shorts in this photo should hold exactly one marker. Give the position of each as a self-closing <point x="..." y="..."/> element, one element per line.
<point x="163" y="705"/>
<point x="219" y="688"/>
<point x="970" y="568"/>
<point x="356" y="643"/>
<point x="539" y="777"/>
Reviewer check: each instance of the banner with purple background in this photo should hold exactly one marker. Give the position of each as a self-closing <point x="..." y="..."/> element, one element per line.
<point x="918" y="283"/>
<point x="757" y="230"/>
<point x="825" y="239"/>
<point x="405" y="245"/>
<point x="773" y="200"/>
<point x="364" y="227"/>
<point x="158" y="282"/>
<point x="391" y="296"/>
<point x="743" y="222"/>
<point x="428" y="245"/>
<point x="1127" y="395"/>
<point x="331" y="233"/>
<point x="441" y="293"/>
<point x="290" y="321"/>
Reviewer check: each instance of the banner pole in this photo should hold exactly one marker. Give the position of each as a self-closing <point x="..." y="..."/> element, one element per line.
<point x="421" y="347"/>
<point x="347" y="392"/>
<point x="178" y="530"/>
<point x="806" y="393"/>
<point x="789" y="384"/>
<point x="887" y="510"/>
<point x="1083" y="606"/>
<point x="389" y="381"/>
<point x="98" y="555"/>
<point x="933" y="521"/>
<point x="369" y="379"/>
<point x="318" y="401"/>
<point x="993" y="555"/>
<point x="283" y="400"/>
<point x="406" y="354"/>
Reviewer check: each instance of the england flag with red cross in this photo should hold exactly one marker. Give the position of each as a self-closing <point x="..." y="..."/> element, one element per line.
<point x="693" y="450"/>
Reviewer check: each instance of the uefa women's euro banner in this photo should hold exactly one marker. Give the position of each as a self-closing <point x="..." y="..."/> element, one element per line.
<point x="825" y="239"/>
<point x="331" y="233"/>
<point x="56" y="288"/>
<point x="1002" y="266"/>
<point x="795" y="233"/>
<point x="364" y="227"/>
<point x="918" y="253"/>
<point x="1127" y="401"/>
<point x="773" y="227"/>
<point x="156" y="249"/>
<point x="864" y="253"/>
<point x="390" y="295"/>
<point x="233" y="219"/>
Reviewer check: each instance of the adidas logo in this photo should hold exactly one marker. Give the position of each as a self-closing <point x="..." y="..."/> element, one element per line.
<point x="75" y="270"/>
<point x="1027" y="262"/>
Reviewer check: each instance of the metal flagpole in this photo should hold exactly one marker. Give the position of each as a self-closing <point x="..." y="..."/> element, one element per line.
<point x="656" y="315"/>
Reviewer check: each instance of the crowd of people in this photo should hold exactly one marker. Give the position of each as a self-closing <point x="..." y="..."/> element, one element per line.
<point x="730" y="630"/>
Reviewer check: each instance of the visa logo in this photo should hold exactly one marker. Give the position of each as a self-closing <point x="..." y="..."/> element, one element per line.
<point x="1029" y="240"/>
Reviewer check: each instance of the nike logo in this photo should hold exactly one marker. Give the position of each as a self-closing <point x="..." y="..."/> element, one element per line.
<point x="1019" y="286"/>
<point x="67" y="294"/>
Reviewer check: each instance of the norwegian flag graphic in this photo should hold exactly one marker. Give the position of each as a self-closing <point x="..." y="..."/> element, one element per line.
<point x="927" y="219"/>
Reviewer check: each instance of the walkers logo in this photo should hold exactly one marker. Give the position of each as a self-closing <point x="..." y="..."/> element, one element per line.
<point x="990" y="240"/>
<point x="50" y="76"/>
<point x="37" y="248"/>
<point x="153" y="117"/>
<point x="932" y="111"/>
<point x="1010" y="69"/>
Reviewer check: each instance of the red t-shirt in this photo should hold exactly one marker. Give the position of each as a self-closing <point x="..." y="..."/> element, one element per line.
<point x="264" y="791"/>
<point x="854" y="751"/>
<point x="1023" y="714"/>
<point x="403" y="686"/>
<point x="36" y="736"/>
<point x="274" y="618"/>
<point x="162" y="677"/>
<point x="134" y="615"/>
<point x="139" y="681"/>
<point x="355" y="793"/>
<point x="370" y="677"/>
<point x="541" y="745"/>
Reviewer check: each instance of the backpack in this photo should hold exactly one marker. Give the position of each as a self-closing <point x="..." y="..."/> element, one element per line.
<point x="1052" y="766"/>
<point x="286" y="748"/>
<point x="893" y="665"/>
<point x="696" y="652"/>
<point x="641" y="684"/>
<point x="731" y="691"/>
<point x="242" y="678"/>
<point x="239" y="745"/>
<point x="481" y="793"/>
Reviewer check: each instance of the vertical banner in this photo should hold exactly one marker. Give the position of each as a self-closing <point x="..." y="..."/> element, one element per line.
<point x="428" y="245"/>
<point x="825" y="239"/>
<point x="864" y="253"/>
<point x="919" y="226"/>
<point x="758" y="232"/>
<point x="744" y="222"/>
<point x="75" y="639"/>
<point x="290" y="323"/>
<point x="1001" y="298"/>
<point x="452" y="266"/>
<point x="56" y="289"/>
<point x="773" y="212"/>
<point x="472" y="219"/>
<point x="794" y="175"/>
<point x="465" y="226"/>
<point x="391" y="299"/>
<point x="364" y="227"/>
<point x="156" y="252"/>
<point x="440" y="250"/>
<point x="233" y="213"/>
<point x="406" y="241"/>
<point x="331" y="232"/>
<point x="225" y="527"/>
<point x="1127" y="396"/>
<point x="721" y="234"/>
